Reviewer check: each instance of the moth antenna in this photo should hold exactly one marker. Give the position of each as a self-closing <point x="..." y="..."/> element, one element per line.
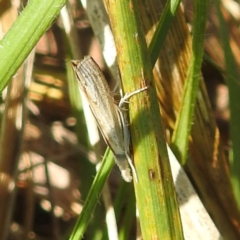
<point x="132" y="167"/>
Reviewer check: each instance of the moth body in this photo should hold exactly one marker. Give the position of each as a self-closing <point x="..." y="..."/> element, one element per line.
<point x="107" y="114"/>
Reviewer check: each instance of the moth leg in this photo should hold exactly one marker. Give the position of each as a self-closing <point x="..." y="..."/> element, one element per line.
<point x="126" y="134"/>
<point x="132" y="166"/>
<point x="126" y="138"/>
<point x="129" y="95"/>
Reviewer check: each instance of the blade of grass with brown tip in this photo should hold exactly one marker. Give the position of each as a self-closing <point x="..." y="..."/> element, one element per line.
<point x="155" y="194"/>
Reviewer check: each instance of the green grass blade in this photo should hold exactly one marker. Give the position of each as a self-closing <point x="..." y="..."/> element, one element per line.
<point x="33" y="21"/>
<point x="180" y="137"/>
<point x="93" y="196"/>
<point x="232" y="77"/>
<point x="162" y="29"/>
<point x="155" y="194"/>
<point x="128" y="218"/>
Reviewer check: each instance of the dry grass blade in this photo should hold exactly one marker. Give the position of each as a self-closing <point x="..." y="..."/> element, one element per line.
<point x="207" y="159"/>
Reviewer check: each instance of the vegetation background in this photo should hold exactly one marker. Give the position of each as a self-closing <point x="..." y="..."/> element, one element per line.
<point x="47" y="159"/>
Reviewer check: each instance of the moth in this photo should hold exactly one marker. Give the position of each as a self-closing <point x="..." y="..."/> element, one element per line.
<point x="108" y="115"/>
